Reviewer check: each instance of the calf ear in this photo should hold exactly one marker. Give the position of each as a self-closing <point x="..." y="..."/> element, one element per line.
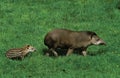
<point x="27" y="46"/>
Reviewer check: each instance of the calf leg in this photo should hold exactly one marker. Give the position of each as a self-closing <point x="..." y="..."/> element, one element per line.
<point x="69" y="51"/>
<point x="22" y="57"/>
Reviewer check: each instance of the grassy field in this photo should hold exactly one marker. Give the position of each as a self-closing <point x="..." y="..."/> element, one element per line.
<point x="27" y="21"/>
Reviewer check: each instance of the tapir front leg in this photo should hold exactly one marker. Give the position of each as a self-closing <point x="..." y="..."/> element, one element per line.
<point x="69" y="51"/>
<point x="84" y="53"/>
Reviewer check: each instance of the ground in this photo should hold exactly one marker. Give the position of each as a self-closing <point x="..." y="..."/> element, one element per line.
<point x="27" y="22"/>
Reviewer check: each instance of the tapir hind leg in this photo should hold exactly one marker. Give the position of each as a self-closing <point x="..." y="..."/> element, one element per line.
<point x="54" y="52"/>
<point x="69" y="51"/>
<point x="84" y="51"/>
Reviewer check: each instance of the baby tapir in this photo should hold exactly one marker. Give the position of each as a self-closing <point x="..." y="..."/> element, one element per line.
<point x="71" y="40"/>
<point x="19" y="52"/>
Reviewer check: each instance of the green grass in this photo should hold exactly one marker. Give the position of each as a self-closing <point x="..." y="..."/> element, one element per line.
<point x="27" y="21"/>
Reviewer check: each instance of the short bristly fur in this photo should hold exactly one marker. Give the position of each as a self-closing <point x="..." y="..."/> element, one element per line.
<point x="71" y="40"/>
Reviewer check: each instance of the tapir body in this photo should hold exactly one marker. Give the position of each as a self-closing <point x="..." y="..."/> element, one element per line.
<point x="71" y="40"/>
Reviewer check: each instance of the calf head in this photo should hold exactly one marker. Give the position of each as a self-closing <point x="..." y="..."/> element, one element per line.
<point x="30" y="48"/>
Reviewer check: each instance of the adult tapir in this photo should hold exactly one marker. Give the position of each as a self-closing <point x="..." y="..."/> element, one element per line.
<point x="71" y="40"/>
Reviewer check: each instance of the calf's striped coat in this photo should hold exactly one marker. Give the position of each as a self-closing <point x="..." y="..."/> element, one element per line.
<point x="19" y="52"/>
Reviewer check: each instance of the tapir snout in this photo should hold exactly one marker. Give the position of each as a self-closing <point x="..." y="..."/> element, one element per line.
<point x="102" y="42"/>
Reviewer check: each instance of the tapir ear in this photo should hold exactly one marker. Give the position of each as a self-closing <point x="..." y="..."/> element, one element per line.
<point x="91" y="34"/>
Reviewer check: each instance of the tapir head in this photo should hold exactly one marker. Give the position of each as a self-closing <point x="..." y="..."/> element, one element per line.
<point x="95" y="40"/>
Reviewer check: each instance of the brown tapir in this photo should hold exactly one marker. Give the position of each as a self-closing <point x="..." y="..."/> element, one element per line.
<point x="71" y="40"/>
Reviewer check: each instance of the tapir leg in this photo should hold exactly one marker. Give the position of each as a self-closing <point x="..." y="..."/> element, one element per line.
<point x="84" y="51"/>
<point x="69" y="51"/>
<point x="54" y="52"/>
